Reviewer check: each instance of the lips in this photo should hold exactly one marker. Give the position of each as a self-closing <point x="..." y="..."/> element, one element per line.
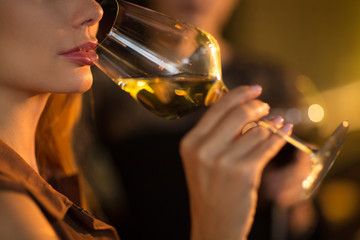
<point x="83" y="54"/>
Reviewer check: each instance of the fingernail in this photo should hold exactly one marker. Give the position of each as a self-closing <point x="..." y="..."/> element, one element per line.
<point x="256" y="88"/>
<point x="278" y="120"/>
<point x="287" y="128"/>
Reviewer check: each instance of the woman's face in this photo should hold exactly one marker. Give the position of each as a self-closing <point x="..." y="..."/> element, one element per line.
<point x="40" y="42"/>
<point x="207" y="14"/>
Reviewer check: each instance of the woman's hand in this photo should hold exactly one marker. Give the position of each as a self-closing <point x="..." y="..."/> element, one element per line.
<point x="223" y="165"/>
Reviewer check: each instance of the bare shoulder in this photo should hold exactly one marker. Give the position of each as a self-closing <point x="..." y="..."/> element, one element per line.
<point x="21" y="218"/>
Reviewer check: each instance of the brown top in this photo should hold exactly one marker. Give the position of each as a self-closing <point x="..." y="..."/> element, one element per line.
<point x="68" y="220"/>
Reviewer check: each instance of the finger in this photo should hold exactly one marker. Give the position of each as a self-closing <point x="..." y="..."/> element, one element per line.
<point x="239" y="117"/>
<point x="250" y="139"/>
<point x="253" y="162"/>
<point x="232" y="99"/>
<point x="278" y="122"/>
<point x="267" y="149"/>
<point x="223" y="135"/>
<point x="246" y="143"/>
<point x="274" y="123"/>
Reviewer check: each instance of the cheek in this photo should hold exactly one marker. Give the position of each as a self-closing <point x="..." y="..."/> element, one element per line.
<point x="21" y="47"/>
<point x="41" y="71"/>
<point x="30" y="61"/>
<point x="17" y="68"/>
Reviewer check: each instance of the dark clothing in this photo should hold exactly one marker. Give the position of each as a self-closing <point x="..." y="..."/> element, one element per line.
<point x="67" y="219"/>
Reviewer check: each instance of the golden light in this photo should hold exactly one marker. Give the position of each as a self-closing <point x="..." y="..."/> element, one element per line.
<point x="141" y="83"/>
<point x="180" y="92"/>
<point x="342" y="193"/>
<point x="316" y="113"/>
<point x="178" y="26"/>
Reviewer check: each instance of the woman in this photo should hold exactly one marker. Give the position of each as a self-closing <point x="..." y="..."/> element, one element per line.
<point x="46" y="49"/>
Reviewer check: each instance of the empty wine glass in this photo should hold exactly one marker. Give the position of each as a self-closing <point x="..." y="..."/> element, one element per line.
<point x="173" y="68"/>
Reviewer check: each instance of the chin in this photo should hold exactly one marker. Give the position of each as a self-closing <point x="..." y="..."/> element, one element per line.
<point x="83" y="80"/>
<point x="85" y="85"/>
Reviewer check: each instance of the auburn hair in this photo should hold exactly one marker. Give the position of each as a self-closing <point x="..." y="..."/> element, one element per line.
<point x="54" y="135"/>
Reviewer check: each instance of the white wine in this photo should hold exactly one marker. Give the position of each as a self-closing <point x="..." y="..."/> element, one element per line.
<point x="174" y="96"/>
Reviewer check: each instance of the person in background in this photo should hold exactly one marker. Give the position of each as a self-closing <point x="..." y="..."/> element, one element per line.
<point x="140" y="150"/>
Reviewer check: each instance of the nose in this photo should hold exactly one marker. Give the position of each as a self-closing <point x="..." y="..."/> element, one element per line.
<point x="87" y="13"/>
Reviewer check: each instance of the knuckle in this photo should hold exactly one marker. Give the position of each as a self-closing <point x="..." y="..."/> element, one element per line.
<point x="195" y="154"/>
<point x="203" y="154"/>
<point x="204" y="163"/>
<point x="257" y="102"/>
<point x="185" y="145"/>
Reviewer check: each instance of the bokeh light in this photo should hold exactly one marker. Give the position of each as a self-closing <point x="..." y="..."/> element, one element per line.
<point x="316" y="113"/>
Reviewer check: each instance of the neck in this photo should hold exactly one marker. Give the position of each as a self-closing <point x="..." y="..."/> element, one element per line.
<point x="19" y="117"/>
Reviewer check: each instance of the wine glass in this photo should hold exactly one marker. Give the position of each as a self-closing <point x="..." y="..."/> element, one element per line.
<point x="170" y="67"/>
<point x="173" y="68"/>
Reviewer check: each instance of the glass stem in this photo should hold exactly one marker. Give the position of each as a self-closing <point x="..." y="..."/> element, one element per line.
<point x="298" y="144"/>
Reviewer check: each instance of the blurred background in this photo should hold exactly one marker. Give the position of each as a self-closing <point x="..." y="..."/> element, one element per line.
<point x="320" y="40"/>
